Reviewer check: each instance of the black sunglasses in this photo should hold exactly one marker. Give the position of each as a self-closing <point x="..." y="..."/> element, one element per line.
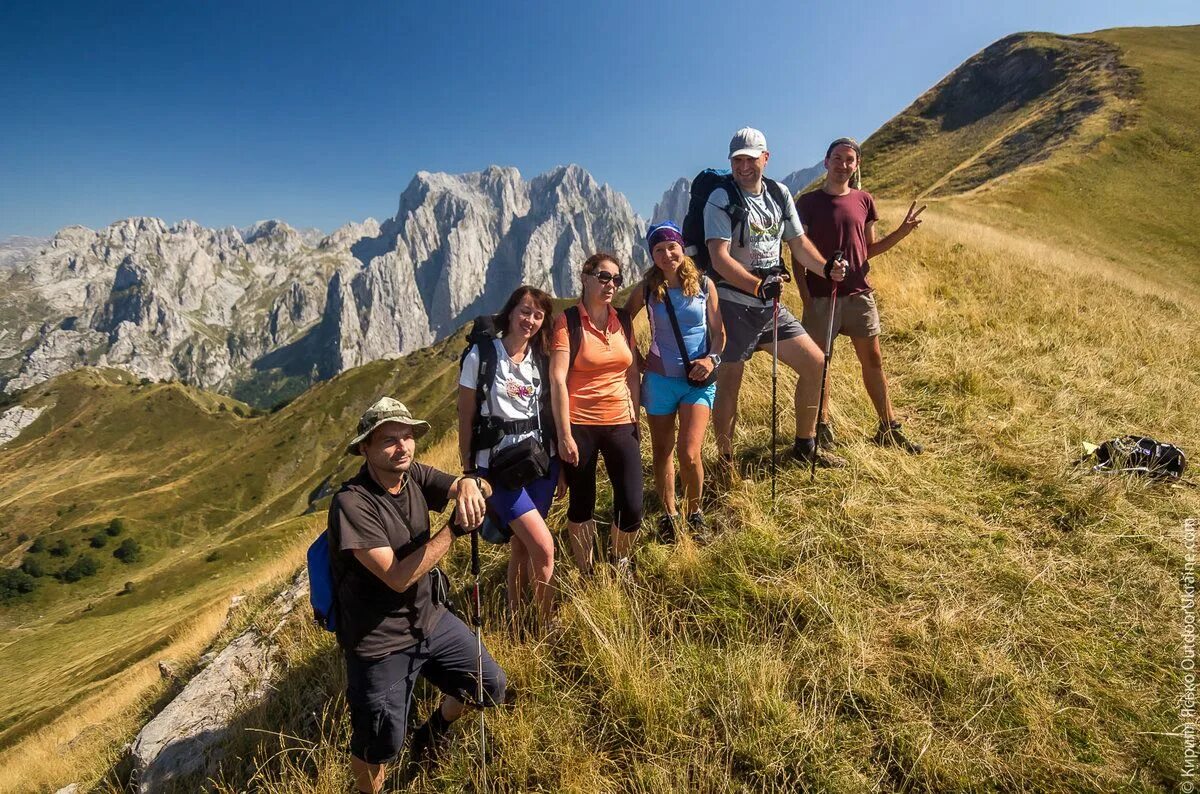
<point x="604" y="277"/>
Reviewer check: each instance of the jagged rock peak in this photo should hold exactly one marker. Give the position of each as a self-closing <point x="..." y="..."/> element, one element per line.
<point x="674" y="202"/>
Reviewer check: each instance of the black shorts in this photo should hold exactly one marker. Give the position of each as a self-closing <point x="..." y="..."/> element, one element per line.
<point x="379" y="691"/>
<point x="620" y="447"/>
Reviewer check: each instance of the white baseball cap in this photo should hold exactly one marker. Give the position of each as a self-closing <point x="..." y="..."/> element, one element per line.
<point x="747" y="141"/>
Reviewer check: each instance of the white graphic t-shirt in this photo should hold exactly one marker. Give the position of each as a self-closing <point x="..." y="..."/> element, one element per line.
<point x="514" y="396"/>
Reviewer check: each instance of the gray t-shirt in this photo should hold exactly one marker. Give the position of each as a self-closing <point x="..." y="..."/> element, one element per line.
<point x="767" y="227"/>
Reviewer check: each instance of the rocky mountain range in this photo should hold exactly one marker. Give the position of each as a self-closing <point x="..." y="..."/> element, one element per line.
<point x="264" y="311"/>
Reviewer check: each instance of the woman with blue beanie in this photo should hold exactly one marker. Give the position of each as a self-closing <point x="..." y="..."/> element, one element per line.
<point x="686" y="340"/>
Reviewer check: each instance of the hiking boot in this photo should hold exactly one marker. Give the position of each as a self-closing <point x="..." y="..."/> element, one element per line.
<point x="826" y="437"/>
<point x="623" y="568"/>
<point x="890" y="435"/>
<point x="804" y="450"/>
<point x="428" y="739"/>
<point x="699" y="528"/>
<point x="666" y="528"/>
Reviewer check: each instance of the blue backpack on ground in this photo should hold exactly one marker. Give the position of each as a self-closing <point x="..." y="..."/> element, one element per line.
<point x="320" y="583"/>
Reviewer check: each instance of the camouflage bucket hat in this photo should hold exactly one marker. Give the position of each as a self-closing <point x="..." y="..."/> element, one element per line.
<point x="383" y="411"/>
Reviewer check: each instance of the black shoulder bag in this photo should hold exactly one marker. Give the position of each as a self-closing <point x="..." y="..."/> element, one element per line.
<point x="527" y="460"/>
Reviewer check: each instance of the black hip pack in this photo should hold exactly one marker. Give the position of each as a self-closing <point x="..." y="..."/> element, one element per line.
<point x="519" y="464"/>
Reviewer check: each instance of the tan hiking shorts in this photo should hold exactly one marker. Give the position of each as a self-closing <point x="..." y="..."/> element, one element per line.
<point x="855" y="316"/>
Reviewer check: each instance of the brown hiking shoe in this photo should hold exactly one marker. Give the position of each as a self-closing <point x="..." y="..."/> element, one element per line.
<point x="825" y="460"/>
<point x="890" y="435"/>
<point x="826" y="437"/>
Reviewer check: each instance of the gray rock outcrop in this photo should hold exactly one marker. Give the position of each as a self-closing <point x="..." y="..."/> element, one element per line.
<point x="185" y="737"/>
<point x="673" y="205"/>
<point x="798" y="180"/>
<point x="16" y="419"/>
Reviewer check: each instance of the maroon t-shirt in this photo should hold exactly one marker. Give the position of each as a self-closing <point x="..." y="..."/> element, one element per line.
<point x="838" y="223"/>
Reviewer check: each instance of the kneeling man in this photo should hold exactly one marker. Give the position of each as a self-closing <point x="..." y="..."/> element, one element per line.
<point x="392" y="624"/>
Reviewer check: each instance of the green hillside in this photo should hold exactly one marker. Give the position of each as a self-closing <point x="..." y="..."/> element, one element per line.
<point x="1087" y="142"/>
<point x="206" y="488"/>
<point x="986" y="617"/>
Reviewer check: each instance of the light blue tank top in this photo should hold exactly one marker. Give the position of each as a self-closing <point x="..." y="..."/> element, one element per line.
<point x="692" y="314"/>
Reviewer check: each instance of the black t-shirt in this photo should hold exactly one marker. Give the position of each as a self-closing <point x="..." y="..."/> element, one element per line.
<point x="373" y="620"/>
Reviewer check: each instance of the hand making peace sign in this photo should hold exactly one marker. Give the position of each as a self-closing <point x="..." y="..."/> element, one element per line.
<point x="912" y="219"/>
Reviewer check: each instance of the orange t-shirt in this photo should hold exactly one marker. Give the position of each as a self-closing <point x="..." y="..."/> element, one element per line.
<point x="596" y="384"/>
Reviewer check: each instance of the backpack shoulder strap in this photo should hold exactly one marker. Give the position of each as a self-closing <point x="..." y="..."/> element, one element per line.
<point x="626" y="324"/>
<point x="778" y="192"/>
<point x="574" y="331"/>
<point x="483" y="383"/>
<point x="627" y="329"/>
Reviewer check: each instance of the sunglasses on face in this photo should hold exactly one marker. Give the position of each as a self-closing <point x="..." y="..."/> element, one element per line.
<point x="604" y="277"/>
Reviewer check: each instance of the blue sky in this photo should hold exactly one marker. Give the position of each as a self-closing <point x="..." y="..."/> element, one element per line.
<point x="320" y="113"/>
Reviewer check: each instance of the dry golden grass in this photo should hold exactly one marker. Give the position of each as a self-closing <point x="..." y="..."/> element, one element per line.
<point x="983" y="617"/>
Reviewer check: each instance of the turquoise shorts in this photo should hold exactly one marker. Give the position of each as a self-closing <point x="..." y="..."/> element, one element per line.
<point x="662" y="395"/>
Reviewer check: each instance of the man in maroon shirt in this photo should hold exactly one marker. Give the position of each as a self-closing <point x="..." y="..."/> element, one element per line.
<point x="840" y="217"/>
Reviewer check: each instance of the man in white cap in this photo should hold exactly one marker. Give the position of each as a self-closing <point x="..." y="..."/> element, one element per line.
<point x="391" y="623"/>
<point x="743" y="233"/>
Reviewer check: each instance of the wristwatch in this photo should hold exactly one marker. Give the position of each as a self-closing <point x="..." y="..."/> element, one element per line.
<point x="716" y="359"/>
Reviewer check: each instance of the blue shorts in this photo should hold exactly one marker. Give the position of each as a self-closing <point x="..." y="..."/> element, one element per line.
<point x="662" y="395"/>
<point x="509" y="505"/>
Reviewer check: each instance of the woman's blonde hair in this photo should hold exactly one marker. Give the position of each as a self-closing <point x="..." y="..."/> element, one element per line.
<point x="689" y="280"/>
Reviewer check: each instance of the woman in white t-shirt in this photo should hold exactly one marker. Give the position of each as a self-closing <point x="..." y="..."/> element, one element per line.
<point x="516" y="407"/>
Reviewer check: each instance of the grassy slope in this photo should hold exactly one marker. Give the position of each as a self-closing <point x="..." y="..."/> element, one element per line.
<point x="1131" y="199"/>
<point x="984" y="617"/>
<point x="1123" y="196"/>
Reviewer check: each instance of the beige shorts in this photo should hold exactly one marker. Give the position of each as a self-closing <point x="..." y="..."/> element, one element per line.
<point x="855" y="316"/>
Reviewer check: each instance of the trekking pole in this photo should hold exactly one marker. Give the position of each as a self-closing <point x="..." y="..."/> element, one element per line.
<point x="478" y="619"/>
<point x="812" y="472"/>
<point x="774" y="399"/>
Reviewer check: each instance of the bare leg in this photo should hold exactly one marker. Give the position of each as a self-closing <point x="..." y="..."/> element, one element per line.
<point x="538" y="547"/>
<point x="622" y="543"/>
<point x="368" y="777"/>
<point x="693" y="421"/>
<point x="801" y="354"/>
<point x="729" y="383"/>
<point x="518" y="575"/>
<point x="871" y="359"/>
<point x="662" y="442"/>
<point x="583" y="540"/>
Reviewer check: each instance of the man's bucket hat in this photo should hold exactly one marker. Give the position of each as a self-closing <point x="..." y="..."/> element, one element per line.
<point x="383" y="411"/>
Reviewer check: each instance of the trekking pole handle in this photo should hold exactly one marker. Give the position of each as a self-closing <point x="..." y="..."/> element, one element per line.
<point x="838" y="256"/>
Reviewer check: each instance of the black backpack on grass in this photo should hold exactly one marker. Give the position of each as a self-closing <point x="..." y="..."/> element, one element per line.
<point x="708" y="180"/>
<point x="1141" y="455"/>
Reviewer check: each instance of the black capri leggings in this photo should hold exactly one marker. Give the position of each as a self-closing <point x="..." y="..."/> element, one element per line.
<point x="623" y="460"/>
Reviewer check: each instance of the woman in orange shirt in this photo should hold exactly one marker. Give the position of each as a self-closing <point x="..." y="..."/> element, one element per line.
<point x="595" y="392"/>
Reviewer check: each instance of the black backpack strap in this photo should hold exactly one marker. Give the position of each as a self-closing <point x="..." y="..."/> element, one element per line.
<point x="574" y="332"/>
<point x="779" y="193"/>
<point x="483" y="386"/>
<point x="736" y="199"/>
<point x="670" y="307"/>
